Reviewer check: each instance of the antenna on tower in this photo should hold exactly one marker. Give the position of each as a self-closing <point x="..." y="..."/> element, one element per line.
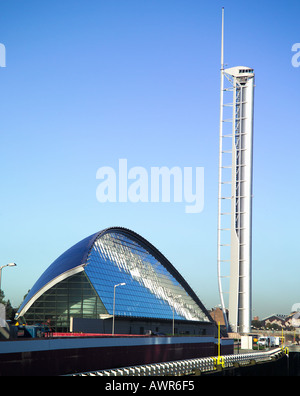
<point x="220" y="173"/>
<point x="222" y="41"/>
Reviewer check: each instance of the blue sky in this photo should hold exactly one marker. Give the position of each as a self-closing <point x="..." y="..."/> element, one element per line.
<point x="90" y="82"/>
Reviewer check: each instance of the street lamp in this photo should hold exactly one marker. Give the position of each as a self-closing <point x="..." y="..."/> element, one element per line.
<point x="113" y="323"/>
<point x="6" y="265"/>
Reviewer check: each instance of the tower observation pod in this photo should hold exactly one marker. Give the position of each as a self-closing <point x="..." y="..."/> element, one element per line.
<point x="235" y="195"/>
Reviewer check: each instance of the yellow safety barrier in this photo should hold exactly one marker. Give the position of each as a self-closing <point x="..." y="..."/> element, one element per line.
<point x="219" y="362"/>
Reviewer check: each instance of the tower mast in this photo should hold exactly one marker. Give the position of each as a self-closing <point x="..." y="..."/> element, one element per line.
<point x="235" y="194"/>
<point x="220" y="172"/>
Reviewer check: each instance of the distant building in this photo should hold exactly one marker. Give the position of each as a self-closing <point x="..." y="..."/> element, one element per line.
<point x="276" y="319"/>
<point x="293" y="320"/>
<point x="217" y="315"/>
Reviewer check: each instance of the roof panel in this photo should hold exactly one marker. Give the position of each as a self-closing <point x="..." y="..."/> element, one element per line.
<point x="71" y="258"/>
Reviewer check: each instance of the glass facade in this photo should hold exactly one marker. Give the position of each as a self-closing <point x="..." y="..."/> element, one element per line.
<point x="150" y="291"/>
<point x="73" y="296"/>
<point x="85" y="276"/>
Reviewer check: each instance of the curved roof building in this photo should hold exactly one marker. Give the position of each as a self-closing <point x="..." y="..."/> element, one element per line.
<point x="80" y="284"/>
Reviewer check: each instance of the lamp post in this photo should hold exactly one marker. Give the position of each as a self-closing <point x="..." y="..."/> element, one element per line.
<point x="6" y="265"/>
<point x="113" y="323"/>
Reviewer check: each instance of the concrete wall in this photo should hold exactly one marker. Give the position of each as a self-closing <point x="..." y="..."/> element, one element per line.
<point x="139" y="326"/>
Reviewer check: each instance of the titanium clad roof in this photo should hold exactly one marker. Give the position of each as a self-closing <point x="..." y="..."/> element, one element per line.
<point x="71" y="258"/>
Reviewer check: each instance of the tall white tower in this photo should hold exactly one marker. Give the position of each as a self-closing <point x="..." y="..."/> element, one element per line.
<point x="235" y="193"/>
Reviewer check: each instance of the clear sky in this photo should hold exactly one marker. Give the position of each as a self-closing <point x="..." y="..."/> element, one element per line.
<point x="89" y="82"/>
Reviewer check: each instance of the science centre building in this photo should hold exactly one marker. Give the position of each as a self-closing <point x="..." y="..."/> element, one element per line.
<point x="115" y="280"/>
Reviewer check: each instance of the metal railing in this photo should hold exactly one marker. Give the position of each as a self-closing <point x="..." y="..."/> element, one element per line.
<point x="190" y="366"/>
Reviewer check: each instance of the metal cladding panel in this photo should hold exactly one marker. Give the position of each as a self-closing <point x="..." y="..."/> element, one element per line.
<point x="68" y="356"/>
<point x="70" y="259"/>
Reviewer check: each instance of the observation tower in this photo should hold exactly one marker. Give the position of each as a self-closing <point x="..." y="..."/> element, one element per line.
<point x="235" y="193"/>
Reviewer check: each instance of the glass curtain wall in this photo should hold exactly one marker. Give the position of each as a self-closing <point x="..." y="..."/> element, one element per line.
<point x="151" y="291"/>
<point x="73" y="296"/>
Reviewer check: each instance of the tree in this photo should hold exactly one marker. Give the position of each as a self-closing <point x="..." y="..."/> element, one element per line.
<point x="10" y="312"/>
<point x="273" y="326"/>
<point x="2" y="296"/>
<point x="257" y="324"/>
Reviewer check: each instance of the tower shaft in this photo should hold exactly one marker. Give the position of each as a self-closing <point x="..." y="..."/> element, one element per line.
<point x="240" y="292"/>
<point x="238" y="199"/>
